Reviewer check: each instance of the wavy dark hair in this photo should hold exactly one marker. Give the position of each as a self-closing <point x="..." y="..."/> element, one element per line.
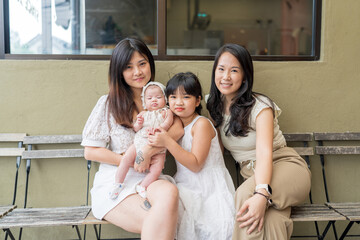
<point x="120" y="100"/>
<point x="244" y="100"/>
<point x="189" y="82"/>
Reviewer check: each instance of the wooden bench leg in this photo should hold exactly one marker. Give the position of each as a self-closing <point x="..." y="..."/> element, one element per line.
<point x="335" y="232"/>
<point x="9" y="233"/>
<point x="97" y="234"/>
<point x="327" y="229"/>
<point x="77" y="231"/>
<point x="347" y="229"/>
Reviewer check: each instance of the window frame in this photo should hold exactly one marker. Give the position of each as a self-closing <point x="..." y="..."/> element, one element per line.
<point x="161" y="41"/>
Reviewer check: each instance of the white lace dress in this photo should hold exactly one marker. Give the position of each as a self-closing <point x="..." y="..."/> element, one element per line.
<point x="99" y="132"/>
<point x="207" y="196"/>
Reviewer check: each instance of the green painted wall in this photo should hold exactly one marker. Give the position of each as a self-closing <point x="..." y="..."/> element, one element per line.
<point x="56" y="97"/>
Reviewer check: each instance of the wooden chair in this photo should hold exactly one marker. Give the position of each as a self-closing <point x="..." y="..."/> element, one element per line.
<point x="339" y="147"/>
<point x="16" y="152"/>
<point x="310" y="212"/>
<point x="56" y="216"/>
<point x="30" y="217"/>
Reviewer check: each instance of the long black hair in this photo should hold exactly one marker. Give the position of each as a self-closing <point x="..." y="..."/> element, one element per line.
<point x="120" y="99"/>
<point x="187" y="81"/>
<point x="243" y="102"/>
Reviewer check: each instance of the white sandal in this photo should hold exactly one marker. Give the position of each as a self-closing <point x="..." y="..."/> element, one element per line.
<point x="141" y="191"/>
<point x="117" y="188"/>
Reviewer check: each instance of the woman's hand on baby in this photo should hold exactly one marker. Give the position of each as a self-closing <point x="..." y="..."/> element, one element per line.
<point x="150" y="130"/>
<point x="252" y="213"/>
<point x="158" y="138"/>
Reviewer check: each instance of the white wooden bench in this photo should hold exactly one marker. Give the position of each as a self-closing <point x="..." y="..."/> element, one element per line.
<point x="56" y="216"/>
<point x="81" y="215"/>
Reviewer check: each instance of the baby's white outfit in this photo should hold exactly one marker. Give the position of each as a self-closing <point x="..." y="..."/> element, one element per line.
<point x="206" y="210"/>
<point x="152" y="119"/>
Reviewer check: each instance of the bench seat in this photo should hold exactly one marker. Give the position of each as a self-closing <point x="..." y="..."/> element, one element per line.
<point x="314" y="212"/>
<point x="41" y="217"/>
<point x="350" y="210"/>
<point x="6" y="209"/>
<point x="90" y="219"/>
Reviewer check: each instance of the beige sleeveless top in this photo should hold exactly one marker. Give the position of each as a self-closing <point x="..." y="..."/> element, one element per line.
<point x="244" y="148"/>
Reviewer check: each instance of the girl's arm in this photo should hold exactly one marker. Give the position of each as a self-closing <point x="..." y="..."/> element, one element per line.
<point x="103" y="155"/>
<point x="202" y="132"/>
<point x="168" y="120"/>
<point x="252" y="212"/>
<point x="176" y="131"/>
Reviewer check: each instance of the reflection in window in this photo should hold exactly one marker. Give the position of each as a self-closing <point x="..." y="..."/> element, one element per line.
<point x="193" y="27"/>
<point x="265" y="27"/>
<point x="109" y="21"/>
<point x="79" y="27"/>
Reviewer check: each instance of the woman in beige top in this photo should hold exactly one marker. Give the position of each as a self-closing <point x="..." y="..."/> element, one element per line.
<point x="247" y="122"/>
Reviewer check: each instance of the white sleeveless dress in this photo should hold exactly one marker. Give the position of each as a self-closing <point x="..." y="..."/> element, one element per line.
<point x="206" y="210"/>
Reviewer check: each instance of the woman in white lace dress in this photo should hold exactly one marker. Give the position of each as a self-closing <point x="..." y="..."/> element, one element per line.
<point x="107" y="135"/>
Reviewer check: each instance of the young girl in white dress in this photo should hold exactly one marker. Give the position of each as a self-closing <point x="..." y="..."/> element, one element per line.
<point x="205" y="186"/>
<point x="157" y="114"/>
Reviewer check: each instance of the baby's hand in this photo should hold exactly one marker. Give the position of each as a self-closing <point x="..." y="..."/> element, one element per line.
<point x="139" y="120"/>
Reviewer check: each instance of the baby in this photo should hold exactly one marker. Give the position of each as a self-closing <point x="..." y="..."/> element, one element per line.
<point x="157" y="115"/>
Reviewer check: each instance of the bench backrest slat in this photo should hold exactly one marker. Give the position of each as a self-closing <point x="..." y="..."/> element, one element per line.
<point x="301" y="137"/>
<point x="304" y="151"/>
<point x="42" y="154"/>
<point x="12" y="137"/>
<point x="337" y="150"/>
<point x="298" y="137"/>
<point x="52" y="139"/>
<point x="11" y="152"/>
<point x="346" y="136"/>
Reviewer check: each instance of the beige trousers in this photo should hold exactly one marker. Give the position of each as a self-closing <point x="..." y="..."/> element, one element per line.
<point x="291" y="182"/>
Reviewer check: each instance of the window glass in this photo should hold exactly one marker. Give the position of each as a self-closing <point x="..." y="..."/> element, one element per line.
<point x="79" y="27"/>
<point x="264" y="27"/>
